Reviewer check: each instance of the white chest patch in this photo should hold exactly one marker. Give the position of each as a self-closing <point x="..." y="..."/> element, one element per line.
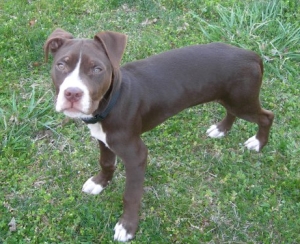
<point x="98" y="133"/>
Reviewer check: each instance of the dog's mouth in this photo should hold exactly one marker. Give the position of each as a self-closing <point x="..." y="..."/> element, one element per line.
<point x="75" y="113"/>
<point x="77" y="110"/>
<point x="73" y="110"/>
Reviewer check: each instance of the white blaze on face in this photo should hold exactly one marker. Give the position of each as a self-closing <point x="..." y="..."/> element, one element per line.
<point x="77" y="109"/>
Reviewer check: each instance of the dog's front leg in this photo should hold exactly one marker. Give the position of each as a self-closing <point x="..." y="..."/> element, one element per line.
<point x="135" y="160"/>
<point x="97" y="183"/>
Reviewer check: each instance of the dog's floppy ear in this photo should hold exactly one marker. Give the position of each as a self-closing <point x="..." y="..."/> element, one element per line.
<point x="114" y="44"/>
<point x="55" y="41"/>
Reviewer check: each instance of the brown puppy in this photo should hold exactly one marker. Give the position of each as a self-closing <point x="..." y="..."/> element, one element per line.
<point x="119" y="104"/>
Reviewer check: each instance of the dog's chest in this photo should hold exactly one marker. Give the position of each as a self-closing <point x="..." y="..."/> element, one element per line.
<point x="97" y="132"/>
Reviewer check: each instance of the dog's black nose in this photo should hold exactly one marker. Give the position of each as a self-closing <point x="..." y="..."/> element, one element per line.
<point x="73" y="94"/>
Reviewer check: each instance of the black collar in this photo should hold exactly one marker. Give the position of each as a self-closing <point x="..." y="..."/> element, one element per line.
<point x="102" y="115"/>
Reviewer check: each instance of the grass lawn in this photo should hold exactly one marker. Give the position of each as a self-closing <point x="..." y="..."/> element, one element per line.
<point x="197" y="190"/>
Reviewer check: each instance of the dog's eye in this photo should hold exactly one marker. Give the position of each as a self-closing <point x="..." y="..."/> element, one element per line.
<point x="61" y="66"/>
<point x="97" y="70"/>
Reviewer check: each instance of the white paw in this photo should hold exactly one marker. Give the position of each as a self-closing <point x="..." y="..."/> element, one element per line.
<point x="91" y="187"/>
<point x="214" y="132"/>
<point x="121" y="234"/>
<point x="252" y="144"/>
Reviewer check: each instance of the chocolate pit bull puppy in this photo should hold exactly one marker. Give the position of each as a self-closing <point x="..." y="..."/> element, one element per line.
<point x="118" y="103"/>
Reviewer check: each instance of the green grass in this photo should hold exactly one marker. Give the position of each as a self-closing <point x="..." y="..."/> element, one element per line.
<point x="197" y="190"/>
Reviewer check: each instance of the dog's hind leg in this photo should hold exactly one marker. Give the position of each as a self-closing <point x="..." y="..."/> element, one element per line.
<point x="220" y="129"/>
<point x="249" y="111"/>
<point x="264" y="119"/>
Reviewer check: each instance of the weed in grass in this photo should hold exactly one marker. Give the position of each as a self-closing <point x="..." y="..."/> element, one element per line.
<point x="259" y="26"/>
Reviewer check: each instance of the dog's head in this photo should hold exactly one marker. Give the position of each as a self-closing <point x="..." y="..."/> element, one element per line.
<point x="84" y="71"/>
